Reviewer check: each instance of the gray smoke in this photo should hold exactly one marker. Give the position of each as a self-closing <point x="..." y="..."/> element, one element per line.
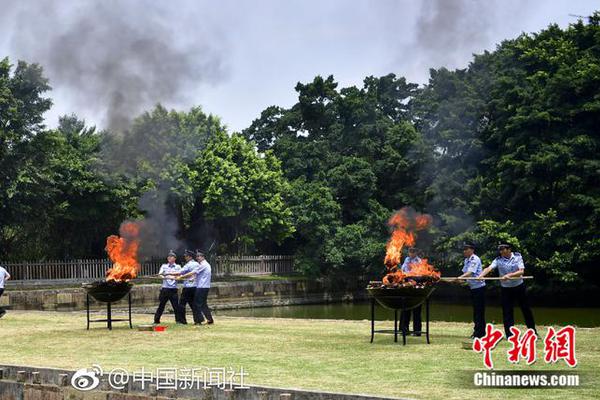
<point x="118" y="58"/>
<point x="158" y="230"/>
<point x="449" y="31"/>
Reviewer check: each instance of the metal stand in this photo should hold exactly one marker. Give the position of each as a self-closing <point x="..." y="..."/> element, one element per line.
<point x="109" y="319"/>
<point x="398" y="324"/>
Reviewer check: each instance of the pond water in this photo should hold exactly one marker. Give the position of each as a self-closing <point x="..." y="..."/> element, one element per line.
<point x="582" y="317"/>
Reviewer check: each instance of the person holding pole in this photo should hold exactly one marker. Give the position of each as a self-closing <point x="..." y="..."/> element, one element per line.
<point x="511" y="268"/>
<point x="187" y="297"/>
<point x="168" y="291"/>
<point x="472" y="268"/>
<point x="412" y="258"/>
<point x="201" y="271"/>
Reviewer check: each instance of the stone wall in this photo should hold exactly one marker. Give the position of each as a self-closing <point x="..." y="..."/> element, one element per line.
<point x="28" y="383"/>
<point x="223" y="295"/>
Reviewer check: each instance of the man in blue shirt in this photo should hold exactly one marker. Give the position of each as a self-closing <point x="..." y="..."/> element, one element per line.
<point x="4" y="276"/>
<point x="510" y="268"/>
<point x="413" y="258"/>
<point x="168" y="291"/>
<point x="472" y="268"/>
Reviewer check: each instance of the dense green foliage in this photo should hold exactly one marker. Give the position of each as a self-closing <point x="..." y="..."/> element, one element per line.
<point x="503" y="150"/>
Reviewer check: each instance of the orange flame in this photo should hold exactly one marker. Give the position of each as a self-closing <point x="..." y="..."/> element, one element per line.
<point x="423" y="268"/>
<point x="405" y="223"/>
<point x="403" y="226"/>
<point x="122" y="251"/>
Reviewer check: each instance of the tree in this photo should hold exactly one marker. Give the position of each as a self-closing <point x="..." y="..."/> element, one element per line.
<point x="352" y="155"/>
<point x="21" y="119"/>
<point x="241" y="191"/>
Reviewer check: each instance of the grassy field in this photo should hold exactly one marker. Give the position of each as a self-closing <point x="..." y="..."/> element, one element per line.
<point x="311" y="354"/>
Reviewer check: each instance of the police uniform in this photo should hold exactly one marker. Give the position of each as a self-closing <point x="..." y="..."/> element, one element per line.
<point x="202" y="278"/>
<point x="3" y="275"/>
<point x="168" y="292"/>
<point x="187" y="298"/>
<point x="513" y="290"/>
<point x="472" y="264"/>
<point x="416" y="312"/>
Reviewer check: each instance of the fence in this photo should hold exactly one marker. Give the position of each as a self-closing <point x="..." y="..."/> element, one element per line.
<point x="80" y="270"/>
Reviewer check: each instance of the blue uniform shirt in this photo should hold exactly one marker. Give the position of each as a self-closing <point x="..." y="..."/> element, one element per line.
<point x="508" y="265"/>
<point x="167" y="269"/>
<point x="409" y="260"/>
<point x="202" y="271"/>
<point x="473" y="265"/>
<point x="204" y="275"/>
<point x="189" y="282"/>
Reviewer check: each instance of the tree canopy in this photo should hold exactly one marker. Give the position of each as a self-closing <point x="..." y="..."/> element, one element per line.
<point x="504" y="149"/>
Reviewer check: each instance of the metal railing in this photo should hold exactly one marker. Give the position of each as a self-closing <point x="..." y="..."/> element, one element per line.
<point x="87" y="269"/>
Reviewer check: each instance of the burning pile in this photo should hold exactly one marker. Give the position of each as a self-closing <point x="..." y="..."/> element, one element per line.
<point x="122" y="251"/>
<point x="404" y="224"/>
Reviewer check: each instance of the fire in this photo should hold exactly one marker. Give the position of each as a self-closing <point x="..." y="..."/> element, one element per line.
<point x="404" y="224"/>
<point x="122" y="251"/>
<point x="423" y="268"/>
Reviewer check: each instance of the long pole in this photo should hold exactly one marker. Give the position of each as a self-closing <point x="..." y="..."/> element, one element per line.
<point x="486" y="278"/>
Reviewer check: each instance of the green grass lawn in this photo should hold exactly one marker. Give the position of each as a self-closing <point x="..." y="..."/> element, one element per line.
<point x="311" y="354"/>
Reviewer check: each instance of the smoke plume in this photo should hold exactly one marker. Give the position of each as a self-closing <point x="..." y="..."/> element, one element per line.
<point x="117" y="58"/>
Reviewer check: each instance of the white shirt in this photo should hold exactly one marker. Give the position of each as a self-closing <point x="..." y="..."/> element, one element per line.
<point x="202" y="272"/>
<point x="473" y="265"/>
<point x="3" y="274"/>
<point x="506" y="266"/>
<point x="167" y="269"/>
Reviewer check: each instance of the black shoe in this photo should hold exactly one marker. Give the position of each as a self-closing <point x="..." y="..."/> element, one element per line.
<point x="2" y="313"/>
<point x="211" y="322"/>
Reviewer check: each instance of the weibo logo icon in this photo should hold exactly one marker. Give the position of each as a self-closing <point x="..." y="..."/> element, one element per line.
<point x="85" y="379"/>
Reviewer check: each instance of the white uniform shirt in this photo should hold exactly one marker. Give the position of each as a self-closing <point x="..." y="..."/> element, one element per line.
<point x="508" y="265"/>
<point x="167" y="269"/>
<point x="408" y="261"/>
<point x="473" y="265"/>
<point x="3" y="274"/>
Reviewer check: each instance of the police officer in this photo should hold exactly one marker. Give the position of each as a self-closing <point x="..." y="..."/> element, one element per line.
<point x="510" y="268"/>
<point x="203" y="279"/>
<point x="187" y="298"/>
<point x="472" y="268"/>
<point x="4" y="276"/>
<point x="412" y="258"/>
<point x="201" y="271"/>
<point x="168" y="291"/>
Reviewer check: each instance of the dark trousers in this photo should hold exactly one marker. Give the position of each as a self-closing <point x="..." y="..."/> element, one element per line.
<point x="416" y="313"/>
<point x="200" y="308"/>
<point x="509" y="296"/>
<point x="2" y="310"/>
<point x="478" y="300"/>
<point x="171" y="296"/>
<point x="187" y="298"/>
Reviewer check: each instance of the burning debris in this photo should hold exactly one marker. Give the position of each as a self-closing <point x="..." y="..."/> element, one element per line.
<point x="122" y="251"/>
<point x="404" y="224"/>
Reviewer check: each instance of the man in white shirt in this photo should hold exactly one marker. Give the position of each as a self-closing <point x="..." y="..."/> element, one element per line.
<point x="168" y="291"/>
<point x="4" y="276"/>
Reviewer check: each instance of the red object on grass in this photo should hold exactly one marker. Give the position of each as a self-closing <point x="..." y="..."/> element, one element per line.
<point x="160" y="328"/>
